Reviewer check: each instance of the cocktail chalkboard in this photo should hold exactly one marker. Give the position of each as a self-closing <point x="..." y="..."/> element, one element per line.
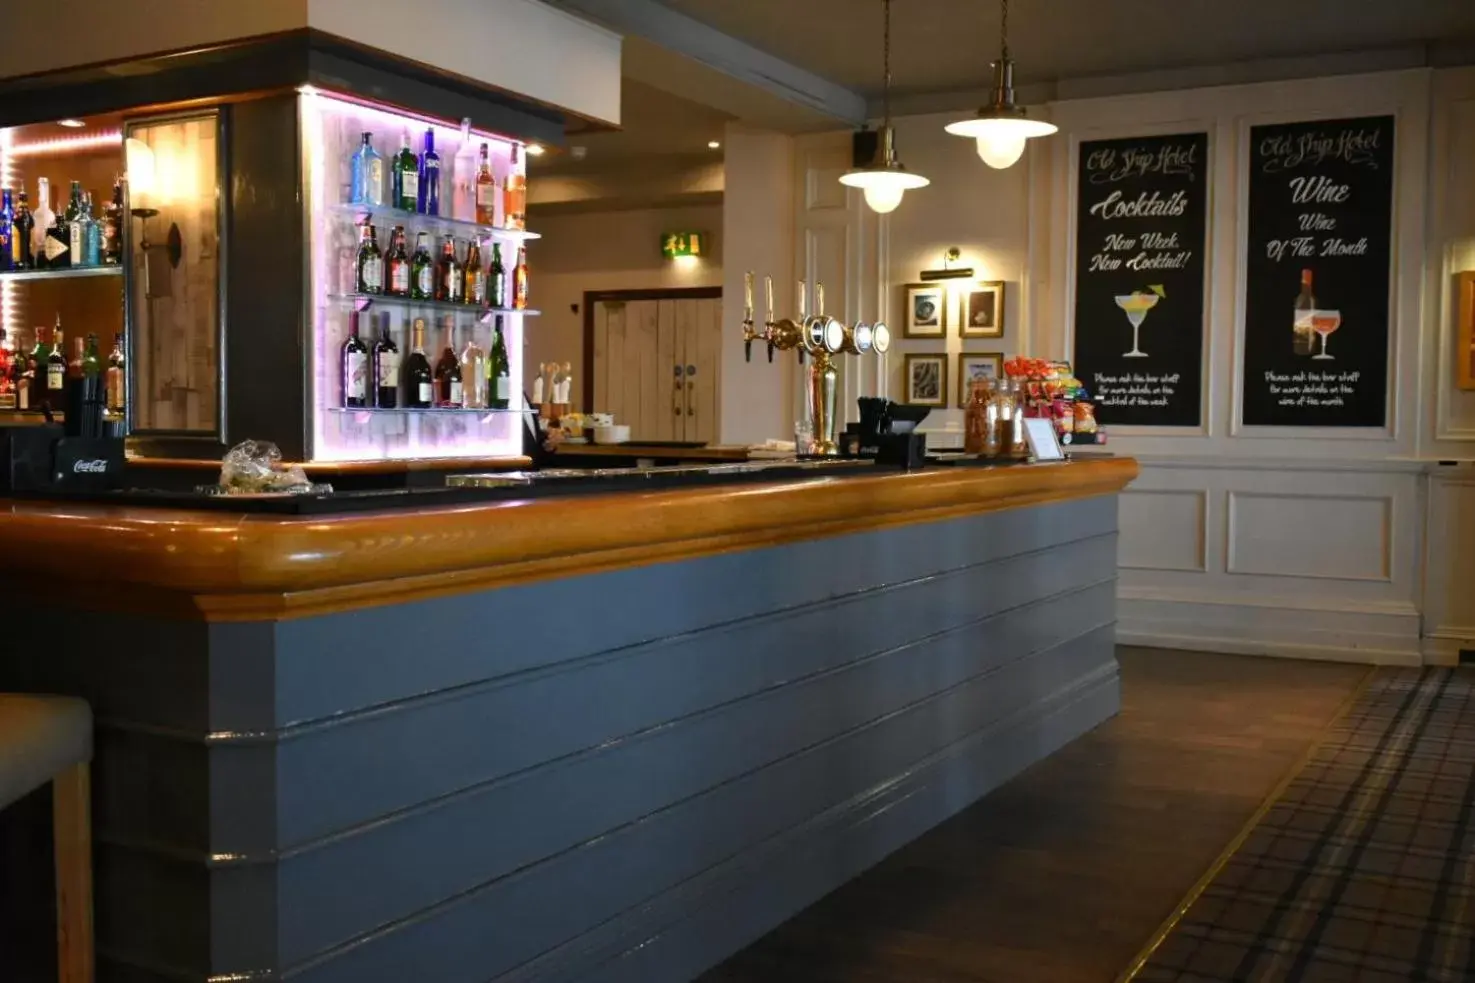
<point x="1317" y="274"/>
<point x="1141" y="220"/>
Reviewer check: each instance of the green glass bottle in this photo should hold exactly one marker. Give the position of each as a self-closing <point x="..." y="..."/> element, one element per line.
<point x="422" y="269"/>
<point x="499" y="371"/>
<point x="405" y="177"/>
<point x="497" y="279"/>
<point x="91" y="361"/>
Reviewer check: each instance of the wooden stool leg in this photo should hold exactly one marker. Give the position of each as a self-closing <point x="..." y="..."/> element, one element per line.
<point x="71" y="813"/>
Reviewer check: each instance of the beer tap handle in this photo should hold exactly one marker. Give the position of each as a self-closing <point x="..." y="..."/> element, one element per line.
<point x="819" y="300"/>
<point x="748" y="298"/>
<point x="803" y="301"/>
<point x="768" y="297"/>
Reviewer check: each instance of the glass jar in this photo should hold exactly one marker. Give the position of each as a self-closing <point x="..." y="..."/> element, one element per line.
<point x="976" y="417"/>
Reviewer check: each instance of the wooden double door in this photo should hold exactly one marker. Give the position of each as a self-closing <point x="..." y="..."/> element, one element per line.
<point x="656" y="357"/>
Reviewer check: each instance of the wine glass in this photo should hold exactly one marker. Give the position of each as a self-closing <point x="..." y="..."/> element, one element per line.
<point x="1135" y="306"/>
<point x="1324" y="323"/>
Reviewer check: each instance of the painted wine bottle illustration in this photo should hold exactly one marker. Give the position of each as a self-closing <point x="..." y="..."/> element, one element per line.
<point x="1301" y="342"/>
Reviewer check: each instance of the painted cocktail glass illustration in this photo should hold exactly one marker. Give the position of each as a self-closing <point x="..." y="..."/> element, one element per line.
<point x="1324" y="323"/>
<point x="1136" y="305"/>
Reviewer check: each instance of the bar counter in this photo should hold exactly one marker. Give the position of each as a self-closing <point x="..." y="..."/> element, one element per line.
<point x="608" y="737"/>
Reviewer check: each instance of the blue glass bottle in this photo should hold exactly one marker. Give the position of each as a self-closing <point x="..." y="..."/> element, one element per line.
<point x="428" y="202"/>
<point x="92" y="248"/>
<point x="367" y="183"/>
<point x="7" y="228"/>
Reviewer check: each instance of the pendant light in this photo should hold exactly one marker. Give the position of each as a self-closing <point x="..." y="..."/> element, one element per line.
<point x="1001" y="128"/>
<point x="885" y="181"/>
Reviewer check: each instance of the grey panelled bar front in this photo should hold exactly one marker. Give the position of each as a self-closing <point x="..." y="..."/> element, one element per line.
<point x="623" y="775"/>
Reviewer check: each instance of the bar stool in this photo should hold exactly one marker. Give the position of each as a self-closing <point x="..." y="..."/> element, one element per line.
<point x="49" y="739"/>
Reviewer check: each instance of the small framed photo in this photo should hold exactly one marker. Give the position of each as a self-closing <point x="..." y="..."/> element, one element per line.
<point x="926" y="379"/>
<point x="976" y="367"/>
<point x="926" y="311"/>
<point x="981" y="311"/>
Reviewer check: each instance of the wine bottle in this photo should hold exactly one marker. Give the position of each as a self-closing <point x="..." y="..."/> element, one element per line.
<point x="500" y="369"/>
<point x="44" y="218"/>
<point x="520" y="280"/>
<point x="449" y="284"/>
<point x="397" y="266"/>
<point x="386" y="370"/>
<point x="497" y="279"/>
<point x="23" y="256"/>
<point x="117" y="381"/>
<point x="112" y="227"/>
<point x="473" y="374"/>
<point x="366" y="183"/>
<point x="474" y="291"/>
<point x="56" y="364"/>
<point x="406" y="173"/>
<point x="448" y="391"/>
<point x="422" y="269"/>
<point x="7" y="230"/>
<point x="76" y="228"/>
<point x="369" y="266"/>
<point x="355" y="366"/>
<point x="419" y="379"/>
<point x="428" y="202"/>
<point x="486" y="190"/>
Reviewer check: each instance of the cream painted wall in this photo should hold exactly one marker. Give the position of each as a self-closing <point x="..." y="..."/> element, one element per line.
<point x="605" y="251"/>
<point x="557" y="58"/>
<point x="1320" y="543"/>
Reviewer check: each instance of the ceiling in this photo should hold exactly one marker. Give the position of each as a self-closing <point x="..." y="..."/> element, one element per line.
<point x="947" y="44"/>
<point x="653" y="123"/>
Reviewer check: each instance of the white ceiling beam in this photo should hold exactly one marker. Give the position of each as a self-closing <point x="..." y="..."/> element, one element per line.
<point x="708" y="46"/>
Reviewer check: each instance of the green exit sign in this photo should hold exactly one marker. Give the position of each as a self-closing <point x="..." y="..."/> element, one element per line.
<point x="674" y="244"/>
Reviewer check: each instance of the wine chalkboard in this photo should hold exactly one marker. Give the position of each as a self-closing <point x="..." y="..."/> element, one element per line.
<point x="1317" y="272"/>
<point x="1141" y="222"/>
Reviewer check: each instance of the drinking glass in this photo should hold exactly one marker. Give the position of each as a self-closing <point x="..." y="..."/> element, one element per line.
<point x="1324" y="323"/>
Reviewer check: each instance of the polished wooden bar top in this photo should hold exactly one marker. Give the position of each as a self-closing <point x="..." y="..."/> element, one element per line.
<point x="221" y="565"/>
<point x="711" y="452"/>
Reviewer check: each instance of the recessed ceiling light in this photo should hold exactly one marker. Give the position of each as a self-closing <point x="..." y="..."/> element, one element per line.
<point x="714" y="144"/>
<point x="70" y="123"/>
<point x="534" y="150"/>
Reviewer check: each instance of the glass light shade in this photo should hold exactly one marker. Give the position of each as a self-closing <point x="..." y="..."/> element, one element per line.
<point x="1000" y="151"/>
<point x="1001" y="138"/>
<point x="140" y="166"/>
<point x="884" y="187"/>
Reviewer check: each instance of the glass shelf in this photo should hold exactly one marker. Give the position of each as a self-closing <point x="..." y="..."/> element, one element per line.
<point x="362" y="302"/>
<point x="69" y="273"/>
<point x="437" y="410"/>
<point x="439" y="223"/>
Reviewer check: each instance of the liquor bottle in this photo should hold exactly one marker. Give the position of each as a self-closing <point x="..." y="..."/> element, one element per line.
<point x="520" y="279"/>
<point x="405" y="170"/>
<point x="1302" y="340"/>
<point x="56" y="363"/>
<point x="500" y="370"/>
<point x="369" y="267"/>
<point x="44" y="217"/>
<point x="366" y="186"/>
<point x="448" y="282"/>
<point x="58" y="243"/>
<point x="91" y="363"/>
<point x="397" y="265"/>
<point x="428" y="202"/>
<point x="463" y="183"/>
<point x="497" y="279"/>
<point x="474" y="291"/>
<point x="7" y="230"/>
<point x="486" y="191"/>
<point x="74" y="367"/>
<point x="76" y="228"/>
<point x="355" y="366"/>
<point x="448" y="391"/>
<point x="422" y="269"/>
<point x="22" y="374"/>
<point x="473" y="375"/>
<point x="386" y="370"/>
<point x="419" y="380"/>
<point x="92" y="251"/>
<point x="516" y="195"/>
<point x="117" y="381"/>
<point x="23" y="256"/>
<point x="112" y="227"/>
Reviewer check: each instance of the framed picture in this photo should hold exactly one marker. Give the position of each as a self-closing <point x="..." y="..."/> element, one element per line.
<point x="973" y="367"/>
<point x="925" y="379"/>
<point x="981" y="311"/>
<point x="926" y="309"/>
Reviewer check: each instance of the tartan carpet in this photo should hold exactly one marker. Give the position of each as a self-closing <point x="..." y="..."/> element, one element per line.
<point x="1363" y="869"/>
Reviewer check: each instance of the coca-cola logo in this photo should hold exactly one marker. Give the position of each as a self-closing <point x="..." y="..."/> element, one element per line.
<point x="97" y="466"/>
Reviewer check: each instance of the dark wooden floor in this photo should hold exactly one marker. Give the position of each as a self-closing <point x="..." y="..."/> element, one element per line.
<point x="1063" y="875"/>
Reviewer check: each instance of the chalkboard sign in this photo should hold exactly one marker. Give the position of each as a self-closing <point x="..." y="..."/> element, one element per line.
<point x="1317" y="274"/>
<point x="1141" y="221"/>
